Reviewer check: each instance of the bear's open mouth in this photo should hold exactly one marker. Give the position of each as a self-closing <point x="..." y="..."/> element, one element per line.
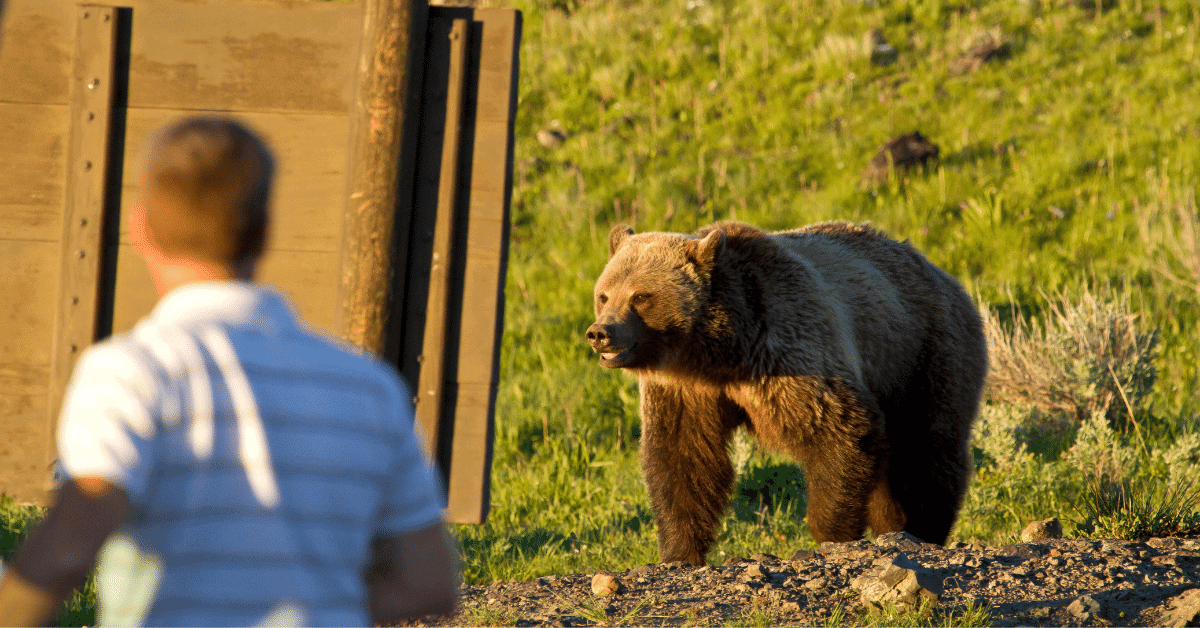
<point x="613" y="359"/>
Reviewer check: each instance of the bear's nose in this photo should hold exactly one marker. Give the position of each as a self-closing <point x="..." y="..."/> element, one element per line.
<point x="597" y="335"/>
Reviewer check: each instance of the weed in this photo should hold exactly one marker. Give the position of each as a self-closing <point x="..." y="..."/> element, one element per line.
<point x="1086" y="356"/>
<point x="492" y="615"/>
<point x="924" y="614"/>
<point x="1116" y="509"/>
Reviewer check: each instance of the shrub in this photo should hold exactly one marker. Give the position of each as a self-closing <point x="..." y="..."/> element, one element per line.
<point x="1086" y="356"/>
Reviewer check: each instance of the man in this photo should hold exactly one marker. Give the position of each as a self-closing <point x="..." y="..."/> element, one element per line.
<point x="237" y="467"/>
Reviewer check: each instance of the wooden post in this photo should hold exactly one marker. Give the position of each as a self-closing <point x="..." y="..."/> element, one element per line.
<point x="380" y="165"/>
<point x="85" y="195"/>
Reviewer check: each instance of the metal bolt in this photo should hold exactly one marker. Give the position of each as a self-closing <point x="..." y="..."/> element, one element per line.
<point x="91" y="116"/>
<point x="92" y="84"/>
<point x="83" y="222"/>
<point x="74" y="348"/>
<point x="82" y="254"/>
<point x="74" y="300"/>
<point x="87" y="165"/>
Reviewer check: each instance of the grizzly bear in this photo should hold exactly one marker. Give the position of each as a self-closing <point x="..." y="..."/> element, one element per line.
<point x="847" y="350"/>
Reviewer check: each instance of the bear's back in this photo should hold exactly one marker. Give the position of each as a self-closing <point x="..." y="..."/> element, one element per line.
<point x="892" y="293"/>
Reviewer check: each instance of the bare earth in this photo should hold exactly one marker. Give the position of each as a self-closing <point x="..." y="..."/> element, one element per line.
<point x="1065" y="582"/>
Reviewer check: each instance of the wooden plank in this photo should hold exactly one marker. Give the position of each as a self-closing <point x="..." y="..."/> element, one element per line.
<point x="35" y="60"/>
<point x="273" y="56"/>
<point x="429" y="397"/>
<point x="308" y="278"/>
<point x="29" y="284"/>
<point x="491" y="114"/>
<point x="33" y="141"/>
<point x="24" y="469"/>
<point x="91" y="116"/>
<point x="310" y="181"/>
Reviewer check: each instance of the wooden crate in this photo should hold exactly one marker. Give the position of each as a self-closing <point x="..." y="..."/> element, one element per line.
<point x="83" y="86"/>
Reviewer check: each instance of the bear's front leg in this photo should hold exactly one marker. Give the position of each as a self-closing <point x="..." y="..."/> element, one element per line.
<point x="686" y="466"/>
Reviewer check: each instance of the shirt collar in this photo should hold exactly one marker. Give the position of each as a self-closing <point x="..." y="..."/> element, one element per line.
<point x="233" y="302"/>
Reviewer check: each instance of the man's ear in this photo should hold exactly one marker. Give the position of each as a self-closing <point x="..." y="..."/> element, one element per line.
<point x="617" y="237"/>
<point x="704" y="252"/>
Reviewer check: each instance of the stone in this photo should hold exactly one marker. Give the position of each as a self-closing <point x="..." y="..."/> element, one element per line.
<point x="605" y="584"/>
<point x="897" y="579"/>
<point x="902" y="541"/>
<point x="804" y="555"/>
<point x="1085" y="608"/>
<point x="551" y="138"/>
<point x="882" y="53"/>
<point x="757" y="571"/>
<point x="1182" y="610"/>
<point x="1042" y="530"/>
<point x="897" y="154"/>
<point x="790" y="607"/>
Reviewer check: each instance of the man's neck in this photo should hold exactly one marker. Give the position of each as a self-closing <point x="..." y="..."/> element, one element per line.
<point x="169" y="275"/>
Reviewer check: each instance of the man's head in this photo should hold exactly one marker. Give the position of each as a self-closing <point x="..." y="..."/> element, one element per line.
<point x="205" y="195"/>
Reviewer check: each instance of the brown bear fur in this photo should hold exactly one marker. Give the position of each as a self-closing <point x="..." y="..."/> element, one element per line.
<point x="834" y="343"/>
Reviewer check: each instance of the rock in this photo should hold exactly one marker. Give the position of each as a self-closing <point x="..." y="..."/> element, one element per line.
<point x="790" y="607"/>
<point x="882" y="53"/>
<point x="1182" y="610"/>
<point x="641" y="571"/>
<point x="1085" y="608"/>
<point x="902" y="541"/>
<point x="733" y="560"/>
<point x="1042" y="530"/>
<point x="756" y="570"/>
<point x="897" y="579"/>
<point x="985" y="48"/>
<point x="764" y="558"/>
<point x="605" y="584"/>
<point x="551" y="138"/>
<point x="905" y="151"/>
<point x="816" y="583"/>
<point x="804" y="555"/>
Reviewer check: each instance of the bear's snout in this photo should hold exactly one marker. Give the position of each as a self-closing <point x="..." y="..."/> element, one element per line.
<point x="599" y="336"/>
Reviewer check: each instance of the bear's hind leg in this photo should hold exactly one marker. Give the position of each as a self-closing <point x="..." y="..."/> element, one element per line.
<point x="686" y="465"/>
<point x="884" y="513"/>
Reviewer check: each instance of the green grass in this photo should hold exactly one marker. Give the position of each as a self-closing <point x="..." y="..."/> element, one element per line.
<point x="1062" y="168"/>
<point x="16" y="521"/>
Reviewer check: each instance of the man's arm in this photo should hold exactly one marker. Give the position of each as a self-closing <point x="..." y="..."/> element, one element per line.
<point x="57" y="556"/>
<point x="412" y="575"/>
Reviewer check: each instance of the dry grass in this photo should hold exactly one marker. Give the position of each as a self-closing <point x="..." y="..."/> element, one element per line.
<point x="1085" y="355"/>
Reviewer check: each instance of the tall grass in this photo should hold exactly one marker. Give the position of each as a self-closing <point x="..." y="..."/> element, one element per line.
<point x="1068" y="168"/>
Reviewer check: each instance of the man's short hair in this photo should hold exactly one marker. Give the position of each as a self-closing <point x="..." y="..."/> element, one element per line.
<point x="208" y="186"/>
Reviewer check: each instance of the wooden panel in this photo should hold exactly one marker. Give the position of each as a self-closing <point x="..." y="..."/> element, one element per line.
<point x="35" y="60"/>
<point x="308" y="278"/>
<point x="462" y="345"/>
<point x="33" y="142"/>
<point x="490" y="114"/>
<point x="25" y="450"/>
<point x="310" y="154"/>
<point x="29" y="285"/>
<point x="234" y="56"/>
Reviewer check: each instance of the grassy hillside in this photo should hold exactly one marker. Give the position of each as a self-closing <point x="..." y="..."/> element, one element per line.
<point x="1054" y="152"/>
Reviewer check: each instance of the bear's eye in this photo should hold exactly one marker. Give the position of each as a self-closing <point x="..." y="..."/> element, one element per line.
<point x="640" y="298"/>
<point x="602" y="299"/>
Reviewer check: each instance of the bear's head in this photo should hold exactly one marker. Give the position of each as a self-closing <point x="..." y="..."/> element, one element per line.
<point x="650" y="295"/>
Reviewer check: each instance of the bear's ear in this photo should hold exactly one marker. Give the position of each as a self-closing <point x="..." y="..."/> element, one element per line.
<point x="616" y="238"/>
<point x="704" y="252"/>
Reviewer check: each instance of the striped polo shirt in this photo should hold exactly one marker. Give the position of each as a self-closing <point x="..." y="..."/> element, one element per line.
<point x="262" y="459"/>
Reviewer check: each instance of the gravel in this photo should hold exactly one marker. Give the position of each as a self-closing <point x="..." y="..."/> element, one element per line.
<point x="1058" y="582"/>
